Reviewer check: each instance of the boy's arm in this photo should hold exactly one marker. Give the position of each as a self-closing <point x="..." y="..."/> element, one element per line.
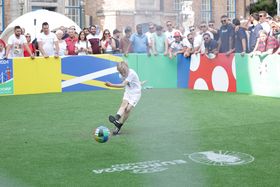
<point x="121" y="85"/>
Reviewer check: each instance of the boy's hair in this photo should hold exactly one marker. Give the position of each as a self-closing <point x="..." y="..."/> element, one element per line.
<point x="122" y="66"/>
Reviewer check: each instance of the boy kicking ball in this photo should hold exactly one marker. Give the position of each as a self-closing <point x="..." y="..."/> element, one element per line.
<point x="132" y="94"/>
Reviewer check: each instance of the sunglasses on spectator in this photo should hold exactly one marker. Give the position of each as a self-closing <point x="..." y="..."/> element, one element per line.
<point x="106" y="33"/>
<point x="223" y="20"/>
<point x="202" y="26"/>
<point x="191" y="30"/>
<point x="151" y="28"/>
<point x="206" y="38"/>
<point x="190" y="38"/>
<point x="27" y="36"/>
<point x="210" y="25"/>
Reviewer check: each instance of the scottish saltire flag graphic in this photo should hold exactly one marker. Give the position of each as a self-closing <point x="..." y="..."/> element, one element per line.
<point x="81" y="73"/>
<point x="6" y="77"/>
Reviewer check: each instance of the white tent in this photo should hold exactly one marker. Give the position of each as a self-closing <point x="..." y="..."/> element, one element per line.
<point x="33" y="27"/>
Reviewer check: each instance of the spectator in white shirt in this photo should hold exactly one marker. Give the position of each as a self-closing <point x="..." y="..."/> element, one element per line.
<point x="83" y="46"/>
<point x="15" y="44"/>
<point x="48" y="42"/>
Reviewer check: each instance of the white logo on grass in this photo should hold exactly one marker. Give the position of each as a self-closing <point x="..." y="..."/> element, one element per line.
<point x="140" y="167"/>
<point x="221" y="158"/>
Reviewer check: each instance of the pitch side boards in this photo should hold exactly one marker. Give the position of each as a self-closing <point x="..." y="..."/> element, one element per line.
<point x="258" y="75"/>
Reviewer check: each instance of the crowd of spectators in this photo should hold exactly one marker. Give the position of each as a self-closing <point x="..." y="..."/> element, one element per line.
<point x="259" y="34"/>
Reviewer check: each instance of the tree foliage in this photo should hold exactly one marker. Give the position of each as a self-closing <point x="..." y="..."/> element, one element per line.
<point x="270" y="6"/>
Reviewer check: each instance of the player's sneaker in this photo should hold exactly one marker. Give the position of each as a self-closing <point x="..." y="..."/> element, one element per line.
<point x="113" y="120"/>
<point x="116" y="131"/>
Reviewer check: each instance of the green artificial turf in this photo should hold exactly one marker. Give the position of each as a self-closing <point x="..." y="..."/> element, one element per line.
<point x="46" y="140"/>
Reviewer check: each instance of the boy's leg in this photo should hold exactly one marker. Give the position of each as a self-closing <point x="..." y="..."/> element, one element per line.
<point x="126" y="113"/>
<point x="122" y="108"/>
<point x="123" y="118"/>
<point x="120" y="113"/>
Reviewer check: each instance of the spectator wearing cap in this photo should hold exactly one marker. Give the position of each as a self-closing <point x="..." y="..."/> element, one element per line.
<point x="159" y="42"/>
<point x="176" y="46"/>
<point x="240" y="38"/>
<point x="254" y="30"/>
<point x="124" y="41"/>
<point x="116" y="38"/>
<point x="265" y="44"/>
<point x="139" y="41"/>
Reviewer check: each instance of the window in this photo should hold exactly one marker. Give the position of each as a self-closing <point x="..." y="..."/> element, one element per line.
<point x="146" y="5"/>
<point x="231" y="8"/>
<point x="178" y="5"/>
<point x="72" y="10"/>
<point x="206" y="10"/>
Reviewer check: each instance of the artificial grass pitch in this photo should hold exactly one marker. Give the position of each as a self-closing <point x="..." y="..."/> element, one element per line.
<point x="46" y="140"/>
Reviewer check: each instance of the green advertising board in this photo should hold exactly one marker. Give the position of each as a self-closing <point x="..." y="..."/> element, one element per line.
<point x="258" y="75"/>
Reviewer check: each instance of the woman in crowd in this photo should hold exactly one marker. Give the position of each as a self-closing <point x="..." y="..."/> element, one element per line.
<point x="107" y="43"/>
<point x="83" y="46"/>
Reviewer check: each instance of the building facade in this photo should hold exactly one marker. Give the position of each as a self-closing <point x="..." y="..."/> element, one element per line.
<point x="118" y="14"/>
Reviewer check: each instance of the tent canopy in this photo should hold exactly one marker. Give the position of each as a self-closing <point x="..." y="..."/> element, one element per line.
<point x="32" y="22"/>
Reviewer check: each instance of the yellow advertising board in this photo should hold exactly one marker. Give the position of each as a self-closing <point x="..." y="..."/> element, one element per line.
<point x="40" y="75"/>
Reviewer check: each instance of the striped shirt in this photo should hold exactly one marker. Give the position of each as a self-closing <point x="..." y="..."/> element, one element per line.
<point x="270" y="43"/>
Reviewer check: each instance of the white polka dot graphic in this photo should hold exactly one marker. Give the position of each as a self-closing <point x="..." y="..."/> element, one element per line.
<point x="195" y="62"/>
<point x="220" y="79"/>
<point x="200" y="84"/>
<point x="233" y="67"/>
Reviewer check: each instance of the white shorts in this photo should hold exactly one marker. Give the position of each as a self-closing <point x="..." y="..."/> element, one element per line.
<point x="132" y="98"/>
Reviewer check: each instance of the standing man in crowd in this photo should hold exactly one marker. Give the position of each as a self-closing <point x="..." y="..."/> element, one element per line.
<point x="48" y="42"/>
<point x="226" y="34"/>
<point x="254" y="30"/>
<point x="139" y="41"/>
<point x="16" y="44"/>
<point x="116" y="38"/>
<point x="240" y="38"/>
<point x="94" y="40"/>
<point x="71" y="42"/>
<point x="125" y="42"/>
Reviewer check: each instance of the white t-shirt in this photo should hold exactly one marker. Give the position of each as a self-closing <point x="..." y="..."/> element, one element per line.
<point x="170" y="35"/>
<point x="62" y="47"/>
<point x="84" y="45"/>
<point x="48" y="42"/>
<point x="134" y="84"/>
<point x="186" y="43"/>
<point x="16" y="45"/>
<point x="265" y="25"/>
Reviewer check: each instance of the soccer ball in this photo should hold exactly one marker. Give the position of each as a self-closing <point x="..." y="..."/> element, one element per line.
<point x="101" y="134"/>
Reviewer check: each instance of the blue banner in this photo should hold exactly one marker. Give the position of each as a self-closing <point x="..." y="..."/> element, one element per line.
<point x="6" y="77"/>
<point x="82" y="73"/>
